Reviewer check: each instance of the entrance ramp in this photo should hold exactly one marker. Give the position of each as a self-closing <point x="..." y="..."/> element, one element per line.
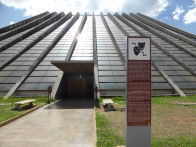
<point x="66" y="123"/>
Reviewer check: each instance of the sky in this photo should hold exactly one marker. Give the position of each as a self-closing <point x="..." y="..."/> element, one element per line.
<point x="179" y="13"/>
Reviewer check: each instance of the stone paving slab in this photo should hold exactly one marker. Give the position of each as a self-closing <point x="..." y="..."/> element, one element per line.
<point x="63" y="124"/>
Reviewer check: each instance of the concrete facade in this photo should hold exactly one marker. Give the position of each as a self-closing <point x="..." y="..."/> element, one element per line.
<point x="28" y="47"/>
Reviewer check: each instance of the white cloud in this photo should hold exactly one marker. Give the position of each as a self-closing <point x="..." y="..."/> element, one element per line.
<point x="32" y="7"/>
<point x="167" y="18"/>
<point x="178" y="11"/>
<point x="11" y="22"/>
<point x="149" y="7"/>
<point x="190" y="16"/>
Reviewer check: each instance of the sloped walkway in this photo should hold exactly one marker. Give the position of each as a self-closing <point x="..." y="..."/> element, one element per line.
<point x="64" y="124"/>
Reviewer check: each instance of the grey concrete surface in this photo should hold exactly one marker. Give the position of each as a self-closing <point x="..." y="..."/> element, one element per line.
<point x="138" y="136"/>
<point x="63" y="124"/>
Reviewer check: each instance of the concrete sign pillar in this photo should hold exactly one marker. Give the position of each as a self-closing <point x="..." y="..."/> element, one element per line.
<point x="138" y="102"/>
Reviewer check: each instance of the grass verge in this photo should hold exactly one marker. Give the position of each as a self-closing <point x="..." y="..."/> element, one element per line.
<point x="7" y="105"/>
<point x="174" y="142"/>
<point x="173" y="100"/>
<point x="172" y="125"/>
<point x="106" y="137"/>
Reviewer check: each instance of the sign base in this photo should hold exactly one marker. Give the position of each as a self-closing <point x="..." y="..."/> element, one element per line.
<point x="139" y="136"/>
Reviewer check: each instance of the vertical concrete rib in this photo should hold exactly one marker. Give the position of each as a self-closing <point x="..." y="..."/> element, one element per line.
<point x="36" y="40"/>
<point x="164" y="75"/>
<point x="158" y="46"/>
<point x="113" y="40"/>
<point x="118" y="25"/>
<point x="34" y="30"/>
<point x="95" y="58"/>
<point x="21" y="23"/>
<point x="69" y="54"/>
<point x="133" y="19"/>
<point x="27" y="26"/>
<point x="168" y="79"/>
<point x="162" y="29"/>
<point x="74" y="42"/>
<point x="42" y="55"/>
<point x="168" y="26"/>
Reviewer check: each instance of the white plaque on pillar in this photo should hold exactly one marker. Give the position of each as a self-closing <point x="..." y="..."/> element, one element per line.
<point x="139" y="49"/>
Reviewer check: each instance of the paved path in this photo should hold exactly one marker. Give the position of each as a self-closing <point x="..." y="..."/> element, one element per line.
<point x="64" y="124"/>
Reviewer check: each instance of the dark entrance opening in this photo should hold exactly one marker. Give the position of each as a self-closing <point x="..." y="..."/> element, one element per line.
<point x="78" y="80"/>
<point x="77" y="86"/>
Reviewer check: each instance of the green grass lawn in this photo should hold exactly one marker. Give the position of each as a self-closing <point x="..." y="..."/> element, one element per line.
<point x="172" y="125"/>
<point x="7" y="105"/>
<point x="106" y="137"/>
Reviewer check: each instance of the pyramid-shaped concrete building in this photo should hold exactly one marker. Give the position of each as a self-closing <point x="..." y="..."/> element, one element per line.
<point x="75" y="53"/>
